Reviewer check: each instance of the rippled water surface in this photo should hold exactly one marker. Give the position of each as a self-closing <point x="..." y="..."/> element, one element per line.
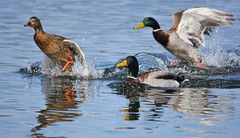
<point x="37" y="105"/>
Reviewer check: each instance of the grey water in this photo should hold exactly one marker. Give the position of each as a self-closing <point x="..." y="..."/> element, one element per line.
<point x="50" y="106"/>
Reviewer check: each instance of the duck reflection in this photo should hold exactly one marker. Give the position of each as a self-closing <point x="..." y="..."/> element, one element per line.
<point x="132" y="112"/>
<point x="197" y="104"/>
<point x="141" y="94"/>
<point x="63" y="98"/>
<point x="202" y="105"/>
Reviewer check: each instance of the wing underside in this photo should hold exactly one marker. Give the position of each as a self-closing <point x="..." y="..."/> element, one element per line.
<point x="196" y="22"/>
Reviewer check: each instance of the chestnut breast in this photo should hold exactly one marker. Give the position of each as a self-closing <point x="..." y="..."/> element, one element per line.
<point x="161" y="37"/>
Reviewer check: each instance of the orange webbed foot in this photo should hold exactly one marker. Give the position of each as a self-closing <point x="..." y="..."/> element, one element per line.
<point x="67" y="65"/>
<point x="174" y="63"/>
<point x="201" y="65"/>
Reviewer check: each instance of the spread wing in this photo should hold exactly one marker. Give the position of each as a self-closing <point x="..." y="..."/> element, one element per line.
<point x="193" y="23"/>
<point x="176" y="19"/>
<point x="73" y="46"/>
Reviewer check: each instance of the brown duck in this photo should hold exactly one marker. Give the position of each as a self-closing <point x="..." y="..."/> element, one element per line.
<point x="57" y="48"/>
<point x="187" y="32"/>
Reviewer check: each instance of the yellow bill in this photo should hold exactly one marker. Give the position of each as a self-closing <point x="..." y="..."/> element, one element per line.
<point x="122" y="64"/>
<point x="139" y="26"/>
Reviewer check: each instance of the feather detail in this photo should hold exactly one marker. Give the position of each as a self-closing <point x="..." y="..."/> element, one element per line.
<point x="159" y="79"/>
<point x="73" y="46"/>
<point x="195" y="22"/>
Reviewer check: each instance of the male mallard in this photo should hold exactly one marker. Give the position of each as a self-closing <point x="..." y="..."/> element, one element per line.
<point x="155" y="78"/>
<point x="187" y="32"/>
<point x="57" y="48"/>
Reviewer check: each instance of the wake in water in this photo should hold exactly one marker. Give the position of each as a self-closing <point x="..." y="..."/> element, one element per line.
<point x="49" y="68"/>
<point x="227" y="63"/>
<point x="223" y="68"/>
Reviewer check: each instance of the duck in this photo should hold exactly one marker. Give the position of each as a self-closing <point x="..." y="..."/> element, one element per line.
<point x="59" y="49"/>
<point x="161" y="79"/>
<point x="186" y="35"/>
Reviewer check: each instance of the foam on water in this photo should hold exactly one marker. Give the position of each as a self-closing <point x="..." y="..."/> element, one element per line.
<point x="79" y="70"/>
<point x="149" y="61"/>
<point x="215" y="55"/>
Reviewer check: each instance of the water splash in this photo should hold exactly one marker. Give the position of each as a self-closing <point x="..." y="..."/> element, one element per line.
<point x="219" y="60"/>
<point x="31" y="69"/>
<point x="223" y="65"/>
<point x="214" y="77"/>
<point x="52" y="69"/>
<point x="228" y="65"/>
<point x="79" y="70"/>
<point x="148" y="61"/>
<point x="216" y="54"/>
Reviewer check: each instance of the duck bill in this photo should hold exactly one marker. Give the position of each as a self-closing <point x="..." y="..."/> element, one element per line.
<point x="27" y="25"/>
<point x="122" y="64"/>
<point x="139" y="26"/>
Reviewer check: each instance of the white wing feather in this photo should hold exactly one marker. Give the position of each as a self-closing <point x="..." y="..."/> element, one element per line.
<point x="77" y="49"/>
<point x="195" y="21"/>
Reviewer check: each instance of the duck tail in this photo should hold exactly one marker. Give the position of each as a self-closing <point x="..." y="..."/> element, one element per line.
<point x="180" y="78"/>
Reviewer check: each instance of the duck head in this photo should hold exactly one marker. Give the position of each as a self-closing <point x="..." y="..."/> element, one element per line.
<point x="148" y="22"/>
<point x="131" y="63"/>
<point x="35" y="23"/>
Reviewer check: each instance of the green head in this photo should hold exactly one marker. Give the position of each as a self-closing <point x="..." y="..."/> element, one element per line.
<point x="131" y="63"/>
<point x="148" y="22"/>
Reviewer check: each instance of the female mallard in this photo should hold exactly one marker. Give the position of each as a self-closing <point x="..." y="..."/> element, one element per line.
<point x="187" y="32"/>
<point x="57" y="48"/>
<point x="155" y="78"/>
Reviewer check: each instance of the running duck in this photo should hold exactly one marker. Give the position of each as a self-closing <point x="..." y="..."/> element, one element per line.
<point x="59" y="49"/>
<point x="186" y="35"/>
<point x="154" y="79"/>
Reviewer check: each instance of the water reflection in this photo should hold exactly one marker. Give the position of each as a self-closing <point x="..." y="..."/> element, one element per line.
<point x="132" y="111"/>
<point x="202" y="105"/>
<point x="64" y="97"/>
<point x="199" y="104"/>
<point x="143" y="95"/>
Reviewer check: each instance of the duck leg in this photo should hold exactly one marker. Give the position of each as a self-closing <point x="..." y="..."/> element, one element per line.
<point x="67" y="65"/>
<point x="69" y="95"/>
<point x="200" y="64"/>
<point x="174" y="63"/>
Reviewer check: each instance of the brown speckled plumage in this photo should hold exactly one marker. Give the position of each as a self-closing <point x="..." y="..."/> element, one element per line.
<point x="53" y="47"/>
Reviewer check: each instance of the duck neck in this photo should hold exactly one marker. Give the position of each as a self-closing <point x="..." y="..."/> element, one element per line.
<point x="155" y="26"/>
<point x="39" y="29"/>
<point x="133" y="72"/>
<point x="161" y="37"/>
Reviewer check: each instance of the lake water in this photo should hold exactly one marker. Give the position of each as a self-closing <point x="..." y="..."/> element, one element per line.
<point x="49" y="106"/>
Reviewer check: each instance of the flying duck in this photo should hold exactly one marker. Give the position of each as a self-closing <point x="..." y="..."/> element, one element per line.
<point x="59" y="49"/>
<point x="186" y="35"/>
<point x="154" y="79"/>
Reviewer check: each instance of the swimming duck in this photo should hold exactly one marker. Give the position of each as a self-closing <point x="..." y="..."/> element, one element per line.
<point x="186" y="35"/>
<point x="154" y="79"/>
<point x="57" y="48"/>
